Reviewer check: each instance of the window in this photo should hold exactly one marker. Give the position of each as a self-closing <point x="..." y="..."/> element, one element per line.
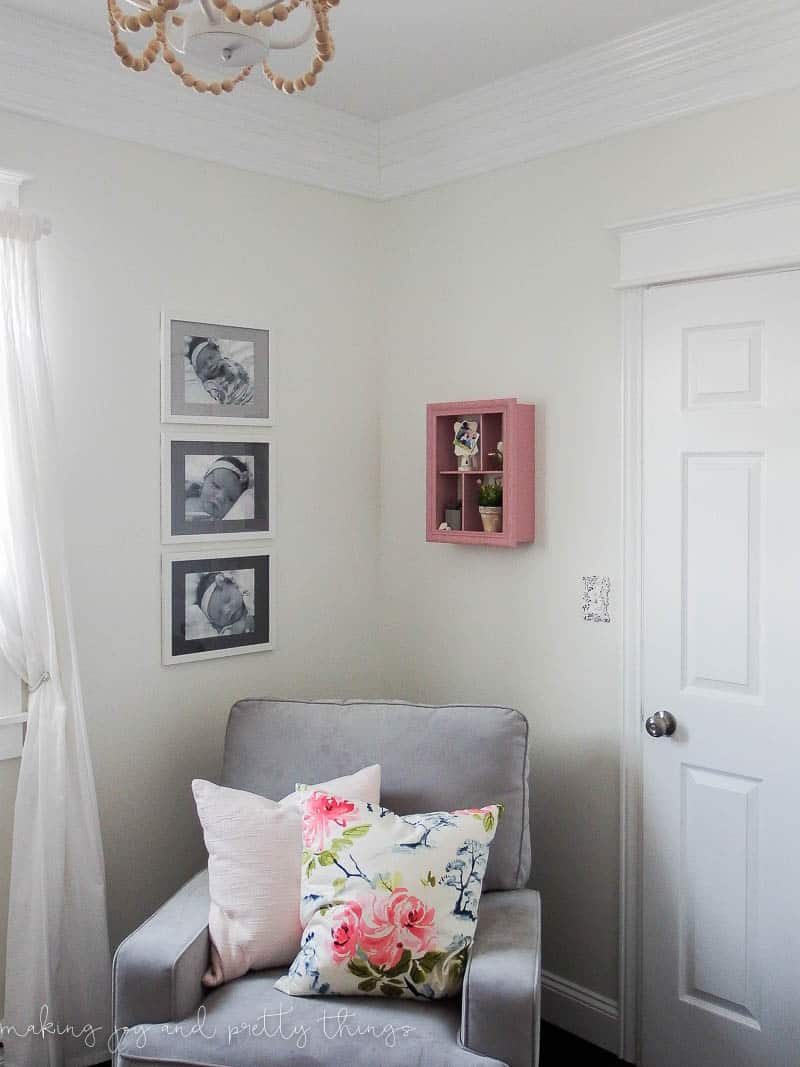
<point x="12" y="705"/>
<point x="11" y="712"/>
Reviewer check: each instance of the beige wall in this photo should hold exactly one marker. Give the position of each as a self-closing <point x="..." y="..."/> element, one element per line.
<point x="134" y="229"/>
<point x="496" y="286"/>
<point x="501" y="286"/>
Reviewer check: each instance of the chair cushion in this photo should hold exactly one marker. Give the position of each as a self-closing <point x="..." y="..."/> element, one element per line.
<point x="432" y="759"/>
<point x="247" y="1023"/>
<point x="254" y="872"/>
<point x="389" y="902"/>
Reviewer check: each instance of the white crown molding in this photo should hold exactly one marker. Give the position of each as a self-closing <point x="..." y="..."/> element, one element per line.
<point x="72" y="77"/>
<point x="731" y="50"/>
<point x="728" y="51"/>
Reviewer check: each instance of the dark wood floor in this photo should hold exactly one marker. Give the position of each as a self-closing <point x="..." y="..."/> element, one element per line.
<point x="559" y="1048"/>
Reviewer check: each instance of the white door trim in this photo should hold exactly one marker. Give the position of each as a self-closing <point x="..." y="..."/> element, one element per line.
<point x="754" y="233"/>
<point x="631" y="734"/>
<point x="759" y="233"/>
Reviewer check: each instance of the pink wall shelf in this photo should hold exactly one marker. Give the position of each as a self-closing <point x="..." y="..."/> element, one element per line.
<point x="498" y="420"/>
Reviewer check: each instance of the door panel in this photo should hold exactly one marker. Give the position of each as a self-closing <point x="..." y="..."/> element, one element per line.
<point x="721" y="572"/>
<point x="719" y="892"/>
<point x="721" y="594"/>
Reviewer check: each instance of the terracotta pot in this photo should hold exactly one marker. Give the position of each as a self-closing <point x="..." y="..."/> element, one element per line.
<point x="492" y="519"/>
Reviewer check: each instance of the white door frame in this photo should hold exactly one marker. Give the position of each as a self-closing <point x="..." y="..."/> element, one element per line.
<point x="756" y="234"/>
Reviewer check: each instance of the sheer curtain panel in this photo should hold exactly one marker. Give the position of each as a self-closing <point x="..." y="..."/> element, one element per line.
<point x="57" y="964"/>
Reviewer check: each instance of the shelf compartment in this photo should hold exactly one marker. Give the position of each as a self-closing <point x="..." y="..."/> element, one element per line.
<point x="491" y="433"/>
<point x="471" y="520"/>
<point x="448" y="494"/>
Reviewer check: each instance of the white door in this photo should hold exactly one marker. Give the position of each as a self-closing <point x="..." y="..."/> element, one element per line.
<point x="721" y="647"/>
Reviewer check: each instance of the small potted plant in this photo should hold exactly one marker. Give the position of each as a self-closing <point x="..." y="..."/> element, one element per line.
<point x="490" y="505"/>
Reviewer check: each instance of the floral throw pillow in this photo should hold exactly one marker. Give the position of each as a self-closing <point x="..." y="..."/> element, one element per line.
<point x="389" y="903"/>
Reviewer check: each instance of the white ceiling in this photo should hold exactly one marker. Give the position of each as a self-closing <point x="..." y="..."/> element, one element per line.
<point x="395" y="56"/>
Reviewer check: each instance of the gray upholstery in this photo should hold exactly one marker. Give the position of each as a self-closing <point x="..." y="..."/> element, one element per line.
<point x="443" y="758"/>
<point x="432" y="759"/>
<point x="501" y="996"/>
<point x="234" y="1011"/>
<point x="157" y="969"/>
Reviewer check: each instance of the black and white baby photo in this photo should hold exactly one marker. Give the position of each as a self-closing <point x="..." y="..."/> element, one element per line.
<point x="218" y="370"/>
<point x="215" y="486"/>
<point x="220" y="604"/>
<point x="215" y="373"/>
<point x="216" y="604"/>
<point x="219" y="487"/>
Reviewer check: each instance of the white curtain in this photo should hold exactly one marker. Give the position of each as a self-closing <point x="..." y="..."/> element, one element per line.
<point x="57" y="963"/>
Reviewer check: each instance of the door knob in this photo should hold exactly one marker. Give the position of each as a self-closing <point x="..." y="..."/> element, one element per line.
<point x="662" y="724"/>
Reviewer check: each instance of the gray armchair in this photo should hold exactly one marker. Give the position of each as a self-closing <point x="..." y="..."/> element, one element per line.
<point x="432" y="758"/>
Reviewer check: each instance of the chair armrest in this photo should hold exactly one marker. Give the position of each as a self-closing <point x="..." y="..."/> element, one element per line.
<point x="500" y="1004"/>
<point x="158" y="969"/>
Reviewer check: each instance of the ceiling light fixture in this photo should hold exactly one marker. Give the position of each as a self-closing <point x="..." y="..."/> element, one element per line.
<point x="216" y="34"/>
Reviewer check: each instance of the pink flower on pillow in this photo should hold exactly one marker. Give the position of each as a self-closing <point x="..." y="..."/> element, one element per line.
<point x="319" y="812"/>
<point x="473" y="811"/>
<point x="399" y="921"/>
<point x="346" y="931"/>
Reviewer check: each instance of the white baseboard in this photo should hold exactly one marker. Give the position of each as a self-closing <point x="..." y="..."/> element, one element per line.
<point x="580" y="1011"/>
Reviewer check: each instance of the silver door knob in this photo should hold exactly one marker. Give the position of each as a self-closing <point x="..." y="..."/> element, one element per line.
<point x="662" y="724"/>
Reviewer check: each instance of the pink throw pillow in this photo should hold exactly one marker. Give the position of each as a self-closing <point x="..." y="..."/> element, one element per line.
<point x="254" y="855"/>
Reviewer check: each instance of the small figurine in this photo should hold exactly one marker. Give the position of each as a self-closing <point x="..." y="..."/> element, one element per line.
<point x="465" y="443"/>
<point x="498" y="455"/>
<point x="443" y="527"/>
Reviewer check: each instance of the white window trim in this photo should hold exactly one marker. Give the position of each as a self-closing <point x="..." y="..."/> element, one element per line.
<point x="12" y="723"/>
<point x="12" y="695"/>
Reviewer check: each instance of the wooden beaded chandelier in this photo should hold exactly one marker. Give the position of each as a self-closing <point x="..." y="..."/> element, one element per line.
<point x="216" y="34"/>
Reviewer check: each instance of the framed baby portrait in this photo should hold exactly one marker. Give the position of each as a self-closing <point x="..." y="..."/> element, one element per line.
<point x="216" y="604"/>
<point x="215" y="373"/>
<point x="216" y="486"/>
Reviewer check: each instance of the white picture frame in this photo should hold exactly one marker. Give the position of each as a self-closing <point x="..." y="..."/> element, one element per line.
<point x="209" y="412"/>
<point x="177" y="566"/>
<point x="227" y="440"/>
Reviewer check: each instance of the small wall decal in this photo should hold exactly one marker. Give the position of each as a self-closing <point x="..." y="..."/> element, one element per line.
<point x="596" y="594"/>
